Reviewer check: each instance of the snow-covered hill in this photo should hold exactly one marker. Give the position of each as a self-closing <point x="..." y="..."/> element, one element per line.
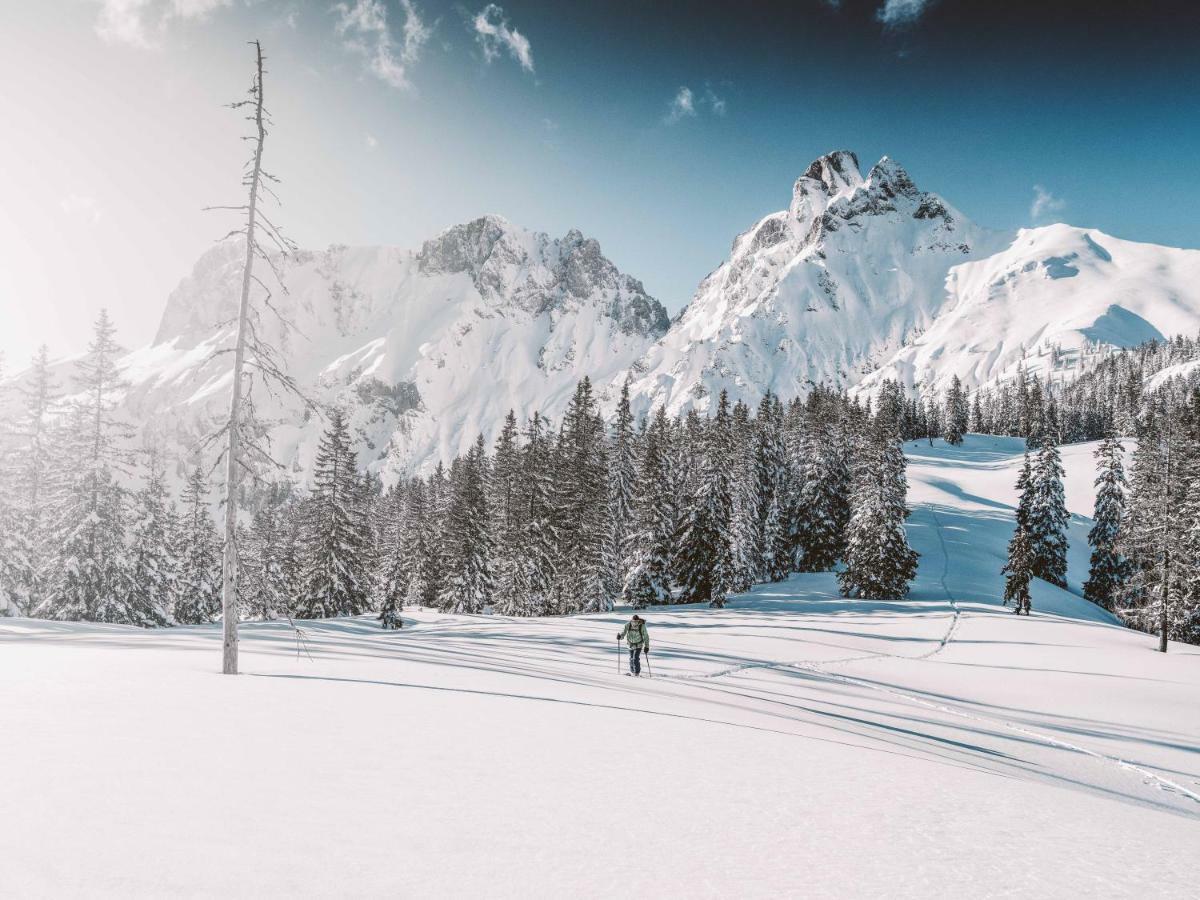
<point x="862" y="279"/>
<point x="793" y="743"/>
<point x="424" y="349"/>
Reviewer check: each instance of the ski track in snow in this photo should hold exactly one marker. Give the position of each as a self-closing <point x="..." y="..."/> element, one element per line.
<point x="1148" y="777"/>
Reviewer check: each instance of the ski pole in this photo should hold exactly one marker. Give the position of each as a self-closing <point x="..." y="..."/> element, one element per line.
<point x="649" y="674"/>
<point x="618" y="656"/>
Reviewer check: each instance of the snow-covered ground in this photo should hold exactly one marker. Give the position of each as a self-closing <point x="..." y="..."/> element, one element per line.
<point x="795" y="744"/>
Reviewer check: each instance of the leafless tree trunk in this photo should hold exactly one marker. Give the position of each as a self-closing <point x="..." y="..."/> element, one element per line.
<point x="229" y="567"/>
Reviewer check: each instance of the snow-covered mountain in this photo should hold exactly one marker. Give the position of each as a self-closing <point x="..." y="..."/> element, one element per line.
<point x="424" y="349"/>
<point x="858" y="280"/>
<point x="862" y="279"/>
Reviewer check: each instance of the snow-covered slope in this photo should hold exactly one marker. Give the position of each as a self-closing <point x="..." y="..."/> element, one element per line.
<point x="823" y="291"/>
<point x="424" y="349"/>
<point x="793" y="743"/>
<point x="1056" y="290"/>
<point x="862" y="279"/>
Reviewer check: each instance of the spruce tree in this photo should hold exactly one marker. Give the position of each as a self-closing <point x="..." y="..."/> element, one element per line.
<point x="88" y="577"/>
<point x="468" y="584"/>
<point x="1109" y="569"/>
<point x="820" y="539"/>
<point x="581" y="508"/>
<point x="648" y="579"/>
<point x="622" y="475"/>
<point x="334" y="581"/>
<point x="956" y="416"/>
<point x="154" y="567"/>
<point x="198" y="586"/>
<point x="1047" y="516"/>
<point x="704" y="550"/>
<point x="1018" y="571"/>
<point x="879" y="562"/>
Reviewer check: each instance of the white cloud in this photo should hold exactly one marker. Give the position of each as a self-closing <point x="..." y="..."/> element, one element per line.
<point x="1044" y="203"/>
<point x="715" y="103"/>
<point x="81" y="207"/>
<point x="143" y="23"/>
<point x="363" y="28"/>
<point x="494" y="35"/>
<point x="687" y="104"/>
<point x="894" y="13"/>
<point x="683" y="106"/>
<point x="371" y="142"/>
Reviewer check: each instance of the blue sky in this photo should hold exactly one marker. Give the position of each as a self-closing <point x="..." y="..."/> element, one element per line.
<point x="662" y="129"/>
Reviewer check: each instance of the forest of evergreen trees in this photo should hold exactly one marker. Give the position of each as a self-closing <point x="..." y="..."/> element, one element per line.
<point x="555" y="518"/>
<point x="577" y="515"/>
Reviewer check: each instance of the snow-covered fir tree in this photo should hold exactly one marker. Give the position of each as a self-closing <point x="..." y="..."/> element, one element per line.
<point x="648" y="579"/>
<point x="1047" y="515"/>
<point x="1018" y="572"/>
<point x="879" y="562"/>
<point x="820" y="528"/>
<point x="198" y="584"/>
<point x="154" y="559"/>
<point x="957" y="415"/>
<point x="88" y="577"/>
<point x="467" y="536"/>
<point x="622" y="469"/>
<point x="1109" y="569"/>
<point x="704" y="555"/>
<point x="335" y="579"/>
<point x="581" y="507"/>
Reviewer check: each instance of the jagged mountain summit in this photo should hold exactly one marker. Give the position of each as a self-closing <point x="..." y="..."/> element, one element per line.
<point x="862" y="279"/>
<point x="424" y="350"/>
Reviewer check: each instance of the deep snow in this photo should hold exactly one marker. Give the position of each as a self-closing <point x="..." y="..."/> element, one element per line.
<point x="795" y="743"/>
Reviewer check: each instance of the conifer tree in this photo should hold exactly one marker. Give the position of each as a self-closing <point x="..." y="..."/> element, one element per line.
<point x="31" y="483"/>
<point x="154" y="565"/>
<point x="89" y="574"/>
<point x="704" y="553"/>
<point x="1047" y="515"/>
<point x="879" y="562"/>
<point x="198" y="586"/>
<point x="820" y="539"/>
<point x="1018" y="571"/>
<point x="468" y="583"/>
<point x="1109" y="568"/>
<point x="956" y="416"/>
<point x="648" y="580"/>
<point x="334" y="581"/>
<point x="622" y="475"/>
<point x="581" y="507"/>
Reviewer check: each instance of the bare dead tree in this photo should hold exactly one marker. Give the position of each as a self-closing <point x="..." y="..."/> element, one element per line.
<point x="253" y="357"/>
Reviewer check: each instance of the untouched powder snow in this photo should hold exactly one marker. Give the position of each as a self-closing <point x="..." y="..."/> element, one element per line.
<point x="796" y="743"/>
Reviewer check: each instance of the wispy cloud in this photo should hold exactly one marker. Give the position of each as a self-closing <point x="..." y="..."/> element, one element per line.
<point x="1044" y="204"/>
<point x="82" y="208"/>
<point x="495" y="36"/>
<point x="371" y="142"/>
<point x="143" y="23"/>
<point x="715" y="103"/>
<point x="895" y="13"/>
<point x="687" y="104"/>
<point x="363" y="28"/>
<point x="683" y="106"/>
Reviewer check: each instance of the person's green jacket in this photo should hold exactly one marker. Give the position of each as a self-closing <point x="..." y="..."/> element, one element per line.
<point x="636" y="635"/>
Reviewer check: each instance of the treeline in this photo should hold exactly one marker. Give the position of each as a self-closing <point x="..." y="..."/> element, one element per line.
<point x="1145" y="537"/>
<point x="552" y="519"/>
<point x="1105" y="395"/>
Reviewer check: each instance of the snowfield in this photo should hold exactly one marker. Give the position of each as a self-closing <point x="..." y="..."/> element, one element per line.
<point x="795" y="743"/>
